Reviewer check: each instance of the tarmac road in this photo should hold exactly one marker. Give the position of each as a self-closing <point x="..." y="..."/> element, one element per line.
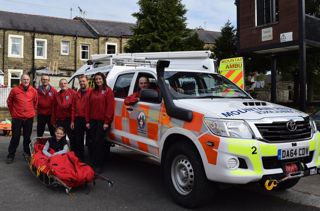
<point x="138" y="185"/>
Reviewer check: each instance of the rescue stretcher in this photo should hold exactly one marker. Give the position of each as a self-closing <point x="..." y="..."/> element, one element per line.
<point x="6" y="128"/>
<point x="47" y="177"/>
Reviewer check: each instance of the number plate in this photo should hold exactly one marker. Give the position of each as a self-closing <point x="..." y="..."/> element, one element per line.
<point x="289" y="153"/>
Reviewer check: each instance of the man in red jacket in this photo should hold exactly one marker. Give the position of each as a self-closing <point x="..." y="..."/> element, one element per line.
<point x="62" y="109"/>
<point x="134" y="97"/>
<point x="22" y="103"/>
<point x="46" y="94"/>
<point x="78" y="121"/>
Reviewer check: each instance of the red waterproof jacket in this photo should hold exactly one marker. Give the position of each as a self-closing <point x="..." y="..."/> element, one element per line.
<point x="46" y="99"/>
<point x="132" y="99"/>
<point x="79" y="103"/>
<point x="62" y="105"/>
<point x="22" y="103"/>
<point x="100" y="105"/>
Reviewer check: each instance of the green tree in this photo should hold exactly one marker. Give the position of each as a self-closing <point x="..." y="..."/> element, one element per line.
<point x="161" y="26"/>
<point x="226" y="44"/>
<point x="313" y="7"/>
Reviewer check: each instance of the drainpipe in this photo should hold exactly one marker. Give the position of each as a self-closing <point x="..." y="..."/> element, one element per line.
<point x="302" y="56"/>
<point x="121" y="43"/>
<point x="75" y="52"/>
<point x="3" y="47"/>
<point x="273" y="78"/>
<point x="98" y="45"/>
<point x="33" y="71"/>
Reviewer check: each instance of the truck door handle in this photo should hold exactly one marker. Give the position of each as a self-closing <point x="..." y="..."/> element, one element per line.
<point x="129" y="109"/>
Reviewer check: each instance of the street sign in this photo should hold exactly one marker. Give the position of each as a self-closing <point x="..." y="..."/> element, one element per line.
<point x="286" y="37"/>
<point x="266" y="34"/>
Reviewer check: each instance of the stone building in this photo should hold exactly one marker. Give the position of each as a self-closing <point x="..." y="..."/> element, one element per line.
<point x="33" y="42"/>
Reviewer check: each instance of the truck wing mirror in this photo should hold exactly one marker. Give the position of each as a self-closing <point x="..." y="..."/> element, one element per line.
<point x="150" y="96"/>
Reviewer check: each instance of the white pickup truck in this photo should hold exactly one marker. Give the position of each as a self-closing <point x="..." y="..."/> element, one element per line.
<point x="205" y="130"/>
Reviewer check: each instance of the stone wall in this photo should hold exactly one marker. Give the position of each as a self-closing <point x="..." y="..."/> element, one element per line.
<point x="55" y="60"/>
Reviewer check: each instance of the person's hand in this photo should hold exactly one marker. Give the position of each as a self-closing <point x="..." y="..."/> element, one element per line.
<point x="105" y="126"/>
<point x="88" y="125"/>
<point x="72" y="125"/>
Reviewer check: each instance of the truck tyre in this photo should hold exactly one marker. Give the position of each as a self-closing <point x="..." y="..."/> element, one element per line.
<point x="185" y="177"/>
<point x="286" y="184"/>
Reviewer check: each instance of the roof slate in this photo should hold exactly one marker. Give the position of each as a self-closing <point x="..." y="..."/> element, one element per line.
<point x="72" y="27"/>
<point x="208" y="36"/>
<point x="111" y="28"/>
<point x="43" y="24"/>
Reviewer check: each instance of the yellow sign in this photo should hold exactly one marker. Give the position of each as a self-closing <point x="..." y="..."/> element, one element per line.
<point x="232" y="68"/>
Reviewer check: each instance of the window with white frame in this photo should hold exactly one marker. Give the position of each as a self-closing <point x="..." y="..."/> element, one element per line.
<point x="40" y="48"/>
<point x="111" y="48"/>
<point x="15" y="48"/>
<point x="267" y="11"/>
<point x="65" y="48"/>
<point x="84" y="52"/>
<point x="14" y="77"/>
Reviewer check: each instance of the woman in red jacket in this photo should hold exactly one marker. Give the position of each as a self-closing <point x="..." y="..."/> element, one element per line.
<point x="99" y="116"/>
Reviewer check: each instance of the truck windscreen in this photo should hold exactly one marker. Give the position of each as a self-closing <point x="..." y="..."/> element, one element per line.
<point x="185" y="85"/>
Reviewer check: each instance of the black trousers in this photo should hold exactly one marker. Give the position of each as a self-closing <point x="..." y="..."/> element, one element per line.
<point x="44" y="120"/>
<point x="80" y="129"/>
<point x="99" y="143"/>
<point x="17" y="125"/>
<point x="66" y="125"/>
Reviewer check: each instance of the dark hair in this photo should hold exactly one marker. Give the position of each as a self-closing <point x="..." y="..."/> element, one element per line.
<point x="45" y="74"/>
<point x="103" y="79"/>
<point x="60" y="128"/>
<point x="83" y="76"/>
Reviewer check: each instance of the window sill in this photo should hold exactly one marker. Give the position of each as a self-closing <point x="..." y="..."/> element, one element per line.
<point x="267" y="25"/>
<point x="15" y="56"/>
<point x="40" y="58"/>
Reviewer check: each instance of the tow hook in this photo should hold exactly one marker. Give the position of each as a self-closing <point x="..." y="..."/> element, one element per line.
<point x="270" y="184"/>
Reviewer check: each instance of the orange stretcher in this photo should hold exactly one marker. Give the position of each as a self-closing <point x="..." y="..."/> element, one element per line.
<point x="6" y="128"/>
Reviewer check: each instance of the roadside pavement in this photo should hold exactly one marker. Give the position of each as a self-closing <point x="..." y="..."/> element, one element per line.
<point x="306" y="192"/>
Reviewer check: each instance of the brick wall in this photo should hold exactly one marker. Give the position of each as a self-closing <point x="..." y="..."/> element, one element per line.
<point x="250" y="34"/>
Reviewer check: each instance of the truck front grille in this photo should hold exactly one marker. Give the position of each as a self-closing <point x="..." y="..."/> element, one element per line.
<point x="278" y="131"/>
<point x="273" y="162"/>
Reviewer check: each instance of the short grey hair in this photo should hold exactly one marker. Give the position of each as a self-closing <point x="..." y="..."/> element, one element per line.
<point x="25" y="74"/>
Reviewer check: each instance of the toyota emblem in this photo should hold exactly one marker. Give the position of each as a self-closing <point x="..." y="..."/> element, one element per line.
<point x="292" y="126"/>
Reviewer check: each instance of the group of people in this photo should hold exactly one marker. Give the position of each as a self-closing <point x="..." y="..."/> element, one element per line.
<point x="65" y="112"/>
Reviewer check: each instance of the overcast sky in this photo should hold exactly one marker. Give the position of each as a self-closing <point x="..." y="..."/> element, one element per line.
<point x="208" y="14"/>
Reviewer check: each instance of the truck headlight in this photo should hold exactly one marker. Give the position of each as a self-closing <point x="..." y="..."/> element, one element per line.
<point x="229" y="128"/>
<point x="313" y="125"/>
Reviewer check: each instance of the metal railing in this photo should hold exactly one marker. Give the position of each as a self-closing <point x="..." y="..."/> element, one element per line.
<point x="4" y="93"/>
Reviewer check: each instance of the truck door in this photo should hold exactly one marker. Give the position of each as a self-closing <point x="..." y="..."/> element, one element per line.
<point x="120" y="125"/>
<point x="143" y="121"/>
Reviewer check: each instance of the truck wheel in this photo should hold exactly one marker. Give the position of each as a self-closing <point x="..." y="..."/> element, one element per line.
<point x="185" y="177"/>
<point x="287" y="184"/>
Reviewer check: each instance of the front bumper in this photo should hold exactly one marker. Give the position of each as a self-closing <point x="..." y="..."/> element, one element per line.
<point x="258" y="160"/>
